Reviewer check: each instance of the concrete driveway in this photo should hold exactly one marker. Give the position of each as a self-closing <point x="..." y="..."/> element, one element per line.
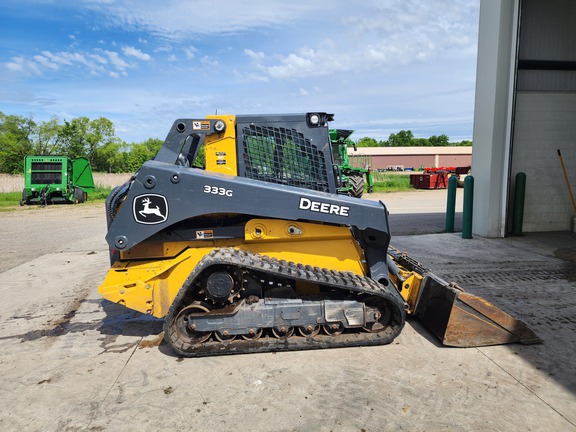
<point x="73" y="362"/>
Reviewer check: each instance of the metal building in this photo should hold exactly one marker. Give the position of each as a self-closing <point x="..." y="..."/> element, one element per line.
<point x="525" y="111"/>
<point x="412" y="157"/>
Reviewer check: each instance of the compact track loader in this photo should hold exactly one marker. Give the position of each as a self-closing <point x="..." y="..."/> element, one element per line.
<point x="255" y="251"/>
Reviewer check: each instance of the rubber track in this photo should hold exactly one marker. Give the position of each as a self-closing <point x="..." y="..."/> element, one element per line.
<point x="346" y="281"/>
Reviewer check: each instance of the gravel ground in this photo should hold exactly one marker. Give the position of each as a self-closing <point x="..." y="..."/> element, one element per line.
<point x="32" y="231"/>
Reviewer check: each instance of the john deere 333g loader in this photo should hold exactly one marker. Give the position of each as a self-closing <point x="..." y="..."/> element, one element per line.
<point x="256" y="251"/>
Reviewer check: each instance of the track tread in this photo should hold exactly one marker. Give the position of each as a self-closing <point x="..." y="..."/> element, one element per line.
<point x="347" y="281"/>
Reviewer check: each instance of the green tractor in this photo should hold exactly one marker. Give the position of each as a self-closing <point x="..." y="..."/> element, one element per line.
<point x="56" y="179"/>
<point x="352" y="175"/>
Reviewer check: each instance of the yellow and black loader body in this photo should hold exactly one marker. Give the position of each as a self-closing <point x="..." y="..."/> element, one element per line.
<point x="254" y="250"/>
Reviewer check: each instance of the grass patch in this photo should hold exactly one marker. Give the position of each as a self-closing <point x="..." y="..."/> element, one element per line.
<point x="388" y="182"/>
<point x="100" y="194"/>
<point x="8" y="199"/>
<point x="12" y="199"/>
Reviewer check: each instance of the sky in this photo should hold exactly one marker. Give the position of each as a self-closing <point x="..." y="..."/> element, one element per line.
<point x="379" y="65"/>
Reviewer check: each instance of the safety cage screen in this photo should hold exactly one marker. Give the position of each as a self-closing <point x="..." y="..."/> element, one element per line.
<point x="283" y="156"/>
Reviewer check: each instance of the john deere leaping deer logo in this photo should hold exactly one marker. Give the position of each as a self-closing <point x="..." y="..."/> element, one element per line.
<point x="150" y="209"/>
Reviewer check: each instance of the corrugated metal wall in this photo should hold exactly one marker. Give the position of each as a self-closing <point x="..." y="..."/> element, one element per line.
<point x="547" y="51"/>
<point x="545" y="112"/>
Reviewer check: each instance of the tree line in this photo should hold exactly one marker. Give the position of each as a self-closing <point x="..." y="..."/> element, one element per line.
<point x="80" y="137"/>
<point x="96" y="140"/>
<point x="405" y="138"/>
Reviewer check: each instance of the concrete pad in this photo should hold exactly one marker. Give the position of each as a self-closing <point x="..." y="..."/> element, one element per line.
<point x="419" y="211"/>
<point x="419" y="201"/>
<point x="71" y="361"/>
<point x="532" y="278"/>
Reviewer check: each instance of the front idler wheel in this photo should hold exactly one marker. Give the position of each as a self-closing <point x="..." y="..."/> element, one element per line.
<point x="382" y="314"/>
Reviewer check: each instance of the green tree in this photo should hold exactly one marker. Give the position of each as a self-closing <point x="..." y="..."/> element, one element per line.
<point x="367" y="142"/>
<point x="439" y="141"/>
<point x="138" y="153"/>
<point x="421" y="142"/>
<point x="82" y="137"/>
<point x="464" y="143"/>
<point x="16" y="141"/>
<point x="110" y="157"/>
<point x="72" y="142"/>
<point x="401" y="139"/>
<point x="405" y="138"/>
<point x="100" y="131"/>
<point x="47" y="137"/>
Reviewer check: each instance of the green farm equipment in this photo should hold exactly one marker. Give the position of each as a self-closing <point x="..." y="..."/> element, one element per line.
<point x="56" y="179"/>
<point x="352" y="175"/>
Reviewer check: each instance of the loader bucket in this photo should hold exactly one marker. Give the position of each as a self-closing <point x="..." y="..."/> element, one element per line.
<point x="461" y="319"/>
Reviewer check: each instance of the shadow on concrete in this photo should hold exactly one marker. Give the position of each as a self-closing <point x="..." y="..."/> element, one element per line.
<point x="421" y="223"/>
<point x="530" y="277"/>
<point x="122" y="321"/>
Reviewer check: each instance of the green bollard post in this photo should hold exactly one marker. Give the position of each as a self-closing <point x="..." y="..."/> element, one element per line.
<point x="519" y="194"/>
<point x="451" y="204"/>
<point x="467" y="207"/>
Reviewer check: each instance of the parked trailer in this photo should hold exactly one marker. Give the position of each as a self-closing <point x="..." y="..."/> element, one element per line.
<point x="437" y="178"/>
<point x="56" y="179"/>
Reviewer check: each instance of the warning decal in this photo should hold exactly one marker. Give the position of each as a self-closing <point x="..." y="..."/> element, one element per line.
<point x="203" y="235"/>
<point x="200" y="125"/>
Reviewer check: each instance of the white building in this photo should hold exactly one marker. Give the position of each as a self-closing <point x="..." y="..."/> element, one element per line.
<point x="414" y="157"/>
<point x="525" y="112"/>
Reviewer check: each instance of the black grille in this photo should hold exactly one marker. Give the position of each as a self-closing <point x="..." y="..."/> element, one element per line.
<point x="46" y="178"/>
<point x="46" y="166"/>
<point x="283" y="156"/>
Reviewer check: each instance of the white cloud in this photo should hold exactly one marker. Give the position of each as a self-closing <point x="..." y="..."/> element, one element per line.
<point x="91" y="63"/>
<point x="190" y="52"/>
<point x="17" y="64"/>
<point x="254" y="55"/>
<point x="209" y="61"/>
<point x="242" y="76"/>
<point x="378" y="64"/>
<point x="163" y="49"/>
<point x="392" y="33"/>
<point x="178" y="20"/>
<point x="134" y="52"/>
<point x="45" y="63"/>
<point x="115" y="59"/>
